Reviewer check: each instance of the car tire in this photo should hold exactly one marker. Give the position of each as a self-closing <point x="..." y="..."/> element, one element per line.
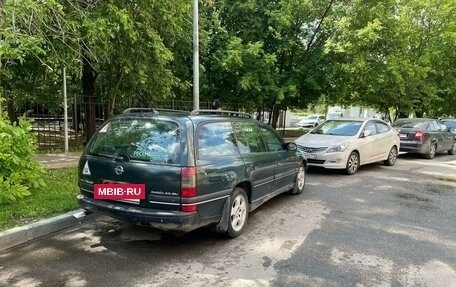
<point x="392" y="157"/>
<point x="352" y="163"/>
<point x="300" y="181"/>
<point x="452" y="151"/>
<point x="238" y="213"/>
<point x="432" y="149"/>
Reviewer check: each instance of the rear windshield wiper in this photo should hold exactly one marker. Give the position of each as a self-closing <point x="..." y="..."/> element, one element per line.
<point x="122" y="157"/>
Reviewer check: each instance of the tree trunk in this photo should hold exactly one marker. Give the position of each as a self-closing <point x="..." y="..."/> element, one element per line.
<point x="10" y="108"/>
<point x="88" y="90"/>
<point x="400" y="114"/>
<point x="109" y="107"/>
<point x="275" y="115"/>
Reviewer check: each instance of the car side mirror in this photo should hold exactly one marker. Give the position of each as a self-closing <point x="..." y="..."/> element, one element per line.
<point x="292" y="146"/>
<point x="366" y="133"/>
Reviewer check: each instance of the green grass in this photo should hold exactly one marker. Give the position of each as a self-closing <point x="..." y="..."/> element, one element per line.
<point x="57" y="197"/>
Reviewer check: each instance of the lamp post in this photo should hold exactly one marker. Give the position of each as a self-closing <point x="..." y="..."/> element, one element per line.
<point x="195" y="56"/>
<point x="65" y="110"/>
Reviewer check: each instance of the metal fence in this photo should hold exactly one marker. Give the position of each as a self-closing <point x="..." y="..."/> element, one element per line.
<point x="48" y="118"/>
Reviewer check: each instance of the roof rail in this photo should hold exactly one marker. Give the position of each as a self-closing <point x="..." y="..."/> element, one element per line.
<point x="139" y="110"/>
<point x="172" y="111"/>
<point x="220" y="112"/>
<point x="149" y="110"/>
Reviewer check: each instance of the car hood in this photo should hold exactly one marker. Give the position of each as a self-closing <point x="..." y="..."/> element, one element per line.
<point x="316" y="140"/>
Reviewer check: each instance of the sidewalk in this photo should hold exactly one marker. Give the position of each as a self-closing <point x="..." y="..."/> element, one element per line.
<point x="60" y="160"/>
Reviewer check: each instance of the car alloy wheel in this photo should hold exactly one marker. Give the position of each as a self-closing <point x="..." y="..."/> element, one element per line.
<point x="300" y="180"/>
<point x="238" y="212"/>
<point x="452" y="151"/>
<point x="352" y="163"/>
<point x="432" y="149"/>
<point x="392" y="157"/>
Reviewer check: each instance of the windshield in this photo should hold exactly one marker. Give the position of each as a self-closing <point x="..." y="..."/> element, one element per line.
<point x="311" y="117"/>
<point x="138" y="139"/>
<point x="338" y="128"/>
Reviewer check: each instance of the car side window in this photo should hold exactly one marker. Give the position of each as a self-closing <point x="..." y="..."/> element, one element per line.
<point x="441" y="126"/>
<point x="382" y="127"/>
<point x="248" y="138"/>
<point x="371" y="127"/>
<point x="216" y="139"/>
<point x="273" y="141"/>
<point x="432" y="127"/>
<point x="444" y="127"/>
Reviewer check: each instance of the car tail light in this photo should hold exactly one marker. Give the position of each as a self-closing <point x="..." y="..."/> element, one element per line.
<point x="419" y="136"/>
<point x="188" y="187"/>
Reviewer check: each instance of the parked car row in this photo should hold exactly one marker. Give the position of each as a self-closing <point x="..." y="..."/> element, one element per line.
<point x="178" y="171"/>
<point x="349" y="143"/>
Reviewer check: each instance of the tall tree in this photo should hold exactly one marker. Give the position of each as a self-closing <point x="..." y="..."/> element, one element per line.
<point x="266" y="53"/>
<point x="384" y="53"/>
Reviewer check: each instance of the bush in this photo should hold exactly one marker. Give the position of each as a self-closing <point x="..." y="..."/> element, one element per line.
<point x="19" y="172"/>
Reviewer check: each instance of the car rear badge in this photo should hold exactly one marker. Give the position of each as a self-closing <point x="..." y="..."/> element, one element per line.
<point x="86" y="169"/>
<point x="119" y="170"/>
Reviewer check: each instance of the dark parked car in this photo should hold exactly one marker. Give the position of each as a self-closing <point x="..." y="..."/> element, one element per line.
<point x="199" y="168"/>
<point x="425" y="136"/>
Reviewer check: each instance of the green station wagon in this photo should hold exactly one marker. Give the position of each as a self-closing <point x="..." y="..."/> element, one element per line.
<point x="199" y="168"/>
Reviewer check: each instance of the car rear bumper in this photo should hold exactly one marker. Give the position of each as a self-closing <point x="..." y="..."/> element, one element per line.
<point x="414" y="147"/>
<point x="160" y="219"/>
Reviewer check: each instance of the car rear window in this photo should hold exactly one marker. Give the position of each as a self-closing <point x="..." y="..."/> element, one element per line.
<point x="150" y="140"/>
<point x="409" y="123"/>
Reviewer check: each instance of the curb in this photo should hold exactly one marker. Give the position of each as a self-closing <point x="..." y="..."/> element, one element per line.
<point x="15" y="236"/>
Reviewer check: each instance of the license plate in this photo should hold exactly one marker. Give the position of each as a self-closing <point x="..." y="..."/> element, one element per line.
<point x="403" y="136"/>
<point x="311" y="155"/>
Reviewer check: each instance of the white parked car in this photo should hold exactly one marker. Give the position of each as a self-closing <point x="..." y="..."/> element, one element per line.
<point x="311" y="121"/>
<point x="349" y="143"/>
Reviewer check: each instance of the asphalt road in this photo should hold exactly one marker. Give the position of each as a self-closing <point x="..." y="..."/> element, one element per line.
<point x="385" y="226"/>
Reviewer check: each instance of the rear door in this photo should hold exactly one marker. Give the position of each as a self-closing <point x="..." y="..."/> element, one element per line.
<point x="386" y="138"/>
<point x="448" y="136"/>
<point x="219" y="165"/>
<point x="259" y="163"/>
<point x="439" y="135"/>
<point x="140" y="151"/>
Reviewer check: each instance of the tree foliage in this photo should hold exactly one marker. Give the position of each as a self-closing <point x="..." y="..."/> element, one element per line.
<point x="19" y="173"/>
<point x="391" y="54"/>
<point x="255" y="54"/>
